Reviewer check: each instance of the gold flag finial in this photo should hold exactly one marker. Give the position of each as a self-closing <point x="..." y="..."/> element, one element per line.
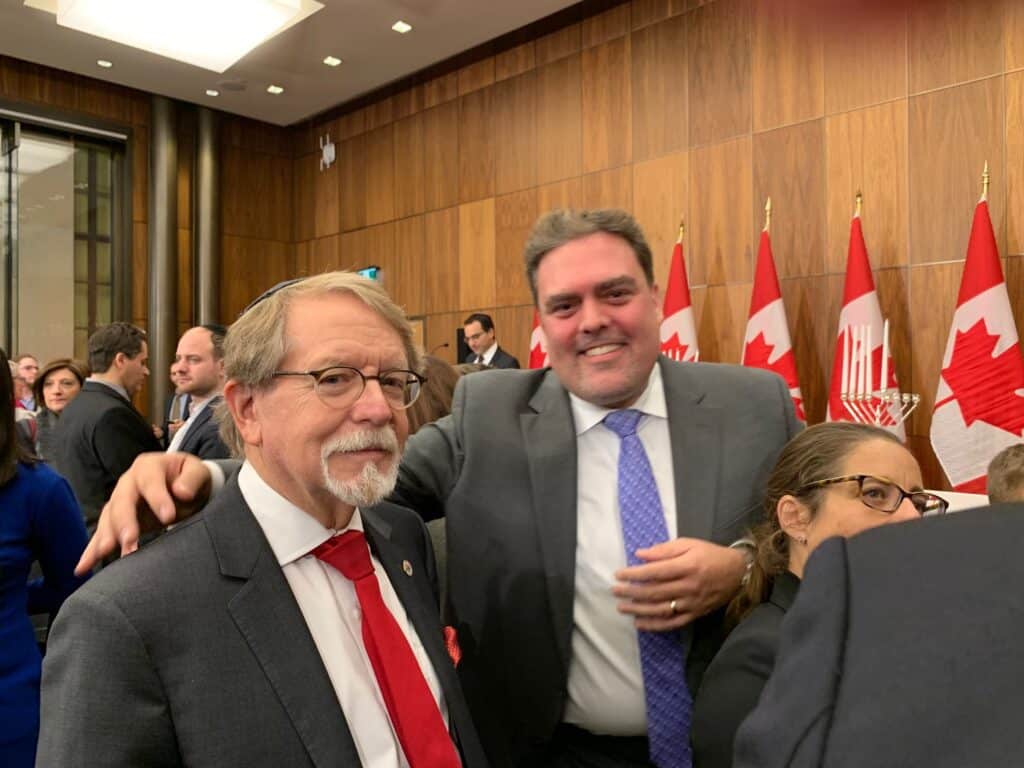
<point x="984" y="182"/>
<point x="768" y="214"/>
<point x="682" y="229"/>
<point x="860" y="203"/>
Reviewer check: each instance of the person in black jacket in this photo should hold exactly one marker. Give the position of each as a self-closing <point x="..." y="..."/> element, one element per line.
<point x="484" y="349"/>
<point x="834" y="479"/>
<point x="199" y="361"/>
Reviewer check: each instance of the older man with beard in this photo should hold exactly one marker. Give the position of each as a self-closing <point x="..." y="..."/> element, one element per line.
<point x="295" y="623"/>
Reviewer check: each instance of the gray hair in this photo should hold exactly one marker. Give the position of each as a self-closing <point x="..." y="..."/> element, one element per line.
<point x="256" y="343"/>
<point x="561" y="226"/>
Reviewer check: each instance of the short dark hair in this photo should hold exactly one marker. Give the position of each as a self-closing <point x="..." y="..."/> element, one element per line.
<point x="218" y="333"/>
<point x="109" y="340"/>
<point x="479" y="317"/>
<point x="1006" y="475"/>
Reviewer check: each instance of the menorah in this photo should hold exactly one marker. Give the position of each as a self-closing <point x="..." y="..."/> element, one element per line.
<point x="883" y="407"/>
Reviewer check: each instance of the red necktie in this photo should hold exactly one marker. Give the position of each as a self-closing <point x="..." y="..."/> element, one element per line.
<point x="413" y="710"/>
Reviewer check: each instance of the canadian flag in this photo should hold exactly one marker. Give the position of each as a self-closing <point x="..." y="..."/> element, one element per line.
<point x="678" y="332"/>
<point x="767" y="344"/>
<point x="979" y="406"/>
<point x="538" y="344"/>
<point x="860" y="308"/>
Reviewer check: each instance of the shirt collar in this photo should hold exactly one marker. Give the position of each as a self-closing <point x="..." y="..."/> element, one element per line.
<point x="489" y="353"/>
<point x="651" y="402"/>
<point x="116" y="387"/>
<point x="290" y="531"/>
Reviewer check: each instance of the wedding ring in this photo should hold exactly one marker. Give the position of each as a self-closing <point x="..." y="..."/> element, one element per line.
<point x="672" y="607"/>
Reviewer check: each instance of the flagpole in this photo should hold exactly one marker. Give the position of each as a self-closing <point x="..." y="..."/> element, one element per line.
<point x="682" y="230"/>
<point x="984" y="182"/>
<point x="859" y="200"/>
<point x="768" y="215"/>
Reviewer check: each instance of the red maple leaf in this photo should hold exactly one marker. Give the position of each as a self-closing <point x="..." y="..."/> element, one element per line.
<point x="985" y="386"/>
<point x="674" y="345"/>
<point x="757" y="355"/>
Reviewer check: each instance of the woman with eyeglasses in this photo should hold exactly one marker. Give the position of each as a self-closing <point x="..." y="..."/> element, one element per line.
<point x="835" y="479"/>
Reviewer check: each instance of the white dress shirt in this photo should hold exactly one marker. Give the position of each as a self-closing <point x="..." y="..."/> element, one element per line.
<point x="331" y="609"/>
<point x="179" y="436"/>
<point x="606" y="687"/>
<point x="489" y="354"/>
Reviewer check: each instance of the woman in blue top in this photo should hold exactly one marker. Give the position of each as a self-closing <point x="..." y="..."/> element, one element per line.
<point x="39" y="520"/>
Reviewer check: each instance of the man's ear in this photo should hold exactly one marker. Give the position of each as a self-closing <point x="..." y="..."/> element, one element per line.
<point x="241" y="403"/>
<point x="794" y="517"/>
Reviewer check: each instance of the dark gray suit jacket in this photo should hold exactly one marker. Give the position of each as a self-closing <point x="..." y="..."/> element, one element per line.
<point x="502" y="470"/>
<point x="195" y="652"/>
<point x="501" y="359"/>
<point x="902" y="649"/>
<point x="203" y="436"/>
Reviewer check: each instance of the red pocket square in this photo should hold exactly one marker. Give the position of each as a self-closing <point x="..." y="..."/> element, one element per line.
<point x="451" y="642"/>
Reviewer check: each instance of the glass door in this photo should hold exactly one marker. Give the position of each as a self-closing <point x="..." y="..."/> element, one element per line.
<point x="9" y="140"/>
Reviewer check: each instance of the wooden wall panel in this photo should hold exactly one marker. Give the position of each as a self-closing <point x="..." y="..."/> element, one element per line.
<point x="325" y="254"/>
<point x="515" y="125"/>
<point x="249" y="267"/>
<point x="721" y="322"/>
<point x="304" y="173"/>
<point x="950" y="41"/>
<point x="1015" y="165"/>
<point x="440" y="335"/>
<point x="645" y="12"/>
<point x="409" y="102"/>
<point x="256" y="195"/>
<point x="379" y="243"/>
<point x="952" y="133"/>
<point x="934" y="286"/>
<point x="477" y="254"/>
<point x="410" y="265"/>
<point x="475" y="76"/>
<point x="410" y="180"/>
<point x="514" y="217"/>
<point x="352" y="175"/>
<point x="380" y="175"/>
<point x="720" y="202"/>
<point x="561" y="194"/>
<point x="609" y="189"/>
<point x="441" y="247"/>
<point x="606" y="97"/>
<point x="812" y="311"/>
<point x="441" y="156"/>
<point x="659" y="202"/>
<point x="718" y="53"/>
<point x="476" y="145"/>
<point x="558" y="45"/>
<point x="559" y="120"/>
<point x="380" y="113"/>
<point x="140" y="176"/>
<point x="304" y="259"/>
<point x="866" y="150"/>
<point x="440" y="90"/>
<point x="513" y="326"/>
<point x="352" y="124"/>
<point x="789" y="167"/>
<point x="515" y="61"/>
<point x="326" y="205"/>
<point x="659" y="85"/>
<point x="140" y="271"/>
<point x="608" y="25"/>
<point x="788" y="64"/>
<point x="1013" y="34"/>
<point x="865" y="55"/>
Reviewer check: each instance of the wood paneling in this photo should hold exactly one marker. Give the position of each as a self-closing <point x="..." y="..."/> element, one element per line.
<point x="609" y="189"/>
<point x="409" y="181"/>
<point x="606" y="96"/>
<point x="476" y="145"/>
<point x="1013" y="34"/>
<point x="380" y="175"/>
<point x="441" y="253"/>
<point x="812" y="311"/>
<point x="934" y="286"/>
<point x="1015" y="165"/>
<point x="441" y="156"/>
<point x="352" y="124"/>
<point x="514" y="216"/>
<point x="379" y="113"/>
<point x="718" y="55"/>
<point x="476" y="254"/>
<point x="659" y="202"/>
<point x="304" y="259"/>
<point x="513" y="326"/>
<point x="352" y="173"/>
<point x="515" y="127"/>
<point x="249" y="267"/>
<point x="140" y="270"/>
<point x="140" y="176"/>
<point x="558" y="45"/>
<point x="865" y="55"/>
<point x="952" y="133"/>
<point x="950" y="41"/>
<point x="515" y="61"/>
<point x="659" y="89"/>
<point x="645" y="12"/>
<point x="440" y="335"/>
<point x="720" y="202"/>
<point x="409" y="102"/>
<point x="788" y="64"/>
<point x="561" y="194"/>
<point x="256" y="195"/>
<point x="605" y="26"/>
<point x="866" y="150"/>
<point x="475" y="76"/>
<point x="721" y="321"/>
<point x="410" y="265"/>
<point x="441" y="89"/>
<point x="304" y="173"/>
<point x="789" y="167"/>
<point x="326" y="207"/>
<point x="559" y="120"/>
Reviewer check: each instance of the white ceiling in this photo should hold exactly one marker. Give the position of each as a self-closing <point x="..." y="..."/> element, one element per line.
<point x="356" y="31"/>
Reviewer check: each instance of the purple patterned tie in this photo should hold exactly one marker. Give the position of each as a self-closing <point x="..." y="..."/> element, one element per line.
<point x="662" y="656"/>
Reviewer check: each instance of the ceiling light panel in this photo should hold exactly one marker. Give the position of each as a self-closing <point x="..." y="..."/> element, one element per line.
<point x="401" y="27"/>
<point x="332" y="61"/>
<point x="212" y="34"/>
<point x="104" y="63"/>
<point x="275" y="89"/>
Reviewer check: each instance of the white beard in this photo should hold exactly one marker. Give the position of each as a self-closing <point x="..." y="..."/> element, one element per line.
<point x="371" y="486"/>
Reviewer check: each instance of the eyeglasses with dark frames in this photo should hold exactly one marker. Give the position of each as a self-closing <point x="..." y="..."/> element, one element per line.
<point x="885" y="495"/>
<point x="339" y="386"/>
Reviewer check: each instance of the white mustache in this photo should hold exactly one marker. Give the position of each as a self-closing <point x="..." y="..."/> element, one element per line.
<point x="383" y="439"/>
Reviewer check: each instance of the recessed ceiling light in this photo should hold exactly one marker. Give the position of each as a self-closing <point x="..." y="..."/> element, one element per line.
<point x="332" y="61"/>
<point x="401" y="27"/>
<point x="211" y="92"/>
<point x="275" y="89"/>
<point x="104" y="63"/>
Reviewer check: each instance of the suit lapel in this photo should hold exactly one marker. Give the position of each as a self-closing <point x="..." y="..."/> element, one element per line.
<point x="550" y="437"/>
<point x="193" y="429"/>
<point x="694" y="432"/>
<point x="270" y="620"/>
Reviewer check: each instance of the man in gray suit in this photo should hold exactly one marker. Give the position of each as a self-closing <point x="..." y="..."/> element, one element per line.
<point x="552" y="596"/>
<point x="296" y="622"/>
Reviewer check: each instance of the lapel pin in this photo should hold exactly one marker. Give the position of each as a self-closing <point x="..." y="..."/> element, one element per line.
<point x="407" y="567"/>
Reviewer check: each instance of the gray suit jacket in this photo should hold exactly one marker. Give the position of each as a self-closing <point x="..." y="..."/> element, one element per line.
<point x="502" y="470"/>
<point x="195" y="652"/>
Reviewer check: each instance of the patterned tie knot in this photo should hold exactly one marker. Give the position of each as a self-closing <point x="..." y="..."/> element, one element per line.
<point x="623" y="423"/>
<point x="348" y="553"/>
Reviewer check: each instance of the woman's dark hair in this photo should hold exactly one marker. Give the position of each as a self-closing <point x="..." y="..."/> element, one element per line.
<point x="435" y="400"/>
<point x="79" y="369"/>
<point x="11" y="450"/>
<point x="815" y="454"/>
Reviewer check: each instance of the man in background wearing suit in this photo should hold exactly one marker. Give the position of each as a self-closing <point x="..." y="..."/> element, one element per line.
<point x="589" y="553"/>
<point x="100" y="433"/>
<point x="296" y="622"/>
<point x="200" y="365"/>
<point x="479" y="332"/>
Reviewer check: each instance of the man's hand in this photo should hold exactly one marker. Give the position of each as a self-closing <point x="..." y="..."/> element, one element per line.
<point x="679" y="581"/>
<point x="142" y="502"/>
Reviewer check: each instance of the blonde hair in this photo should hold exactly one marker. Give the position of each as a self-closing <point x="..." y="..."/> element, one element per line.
<point x="256" y="342"/>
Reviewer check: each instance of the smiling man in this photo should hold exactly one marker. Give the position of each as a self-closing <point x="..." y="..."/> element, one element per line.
<point x="295" y="623"/>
